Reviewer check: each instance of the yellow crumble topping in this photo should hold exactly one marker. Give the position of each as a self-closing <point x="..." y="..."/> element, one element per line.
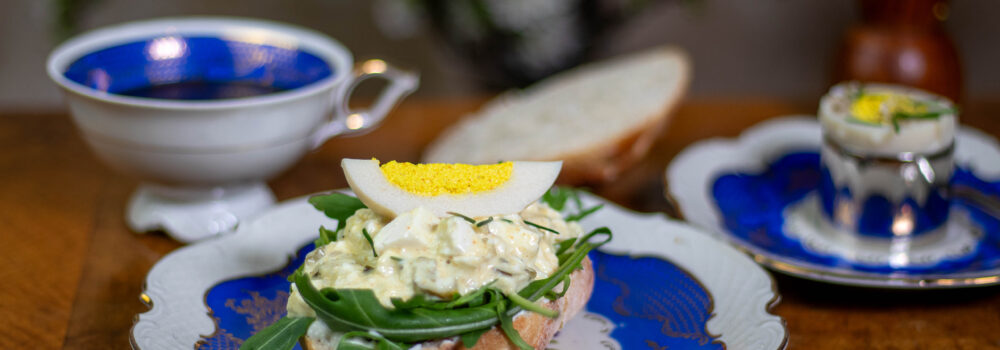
<point x="437" y="179"/>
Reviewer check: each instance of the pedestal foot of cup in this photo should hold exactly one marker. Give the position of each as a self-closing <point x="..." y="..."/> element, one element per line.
<point x="192" y="214"/>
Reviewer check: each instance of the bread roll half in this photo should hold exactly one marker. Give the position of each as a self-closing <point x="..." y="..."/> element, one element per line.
<point x="598" y="118"/>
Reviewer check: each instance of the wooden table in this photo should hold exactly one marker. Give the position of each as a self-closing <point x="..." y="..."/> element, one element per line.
<point x="72" y="271"/>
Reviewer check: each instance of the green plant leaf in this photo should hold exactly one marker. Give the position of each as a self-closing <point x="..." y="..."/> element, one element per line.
<point x="552" y="295"/>
<point x="567" y="264"/>
<point x="368" y="238"/>
<point x="466" y="218"/>
<point x="380" y="343"/>
<point x="564" y="246"/>
<point x="325" y="237"/>
<point x="584" y="213"/>
<point x="281" y="335"/>
<point x="507" y="326"/>
<point x="337" y="206"/>
<point x="484" y="222"/>
<point x="540" y="227"/>
<point x="531" y="306"/>
<point x="358" y="309"/>
<point x="556" y="197"/>
<point x="469" y="339"/>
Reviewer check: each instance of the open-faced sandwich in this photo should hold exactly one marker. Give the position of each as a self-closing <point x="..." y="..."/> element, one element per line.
<point x="441" y="256"/>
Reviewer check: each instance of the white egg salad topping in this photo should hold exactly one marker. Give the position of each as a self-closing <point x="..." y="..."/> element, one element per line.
<point x="885" y="119"/>
<point x="420" y="253"/>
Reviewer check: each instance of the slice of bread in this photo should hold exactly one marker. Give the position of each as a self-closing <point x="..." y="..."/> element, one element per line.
<point x="599" y="118"/>
<point x="535" y="329"/>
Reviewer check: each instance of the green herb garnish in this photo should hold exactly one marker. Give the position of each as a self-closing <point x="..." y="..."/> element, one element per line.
<point x="484" y="222"/>
<point x="368" y="238"/>
<point x="466" y="218"/>
<point x="898" y="116"/>
<point x="557" y="197"/>
<point x="540" y="227"/>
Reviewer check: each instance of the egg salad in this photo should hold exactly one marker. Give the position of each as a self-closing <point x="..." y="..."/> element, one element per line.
<point x="430" y="252"/>
<point x="418" y="252"/>
<point x="886" y="119"/>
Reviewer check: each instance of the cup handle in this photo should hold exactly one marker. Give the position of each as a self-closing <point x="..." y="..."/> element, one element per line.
<point x="356" y="122"/>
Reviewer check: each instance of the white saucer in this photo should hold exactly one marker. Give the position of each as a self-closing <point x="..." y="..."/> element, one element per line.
<point x="715" y="183"/>
<point x="190" y="215"/>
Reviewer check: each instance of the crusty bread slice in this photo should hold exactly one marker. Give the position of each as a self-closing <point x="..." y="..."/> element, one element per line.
<point x="537" y="330"/>
<point x="598" y="118"/>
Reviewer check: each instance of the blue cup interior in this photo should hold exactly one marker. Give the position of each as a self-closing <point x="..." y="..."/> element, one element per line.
<point x="197" y="68"/>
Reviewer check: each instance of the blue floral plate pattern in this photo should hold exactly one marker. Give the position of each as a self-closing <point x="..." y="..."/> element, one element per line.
<point x="660" y="283"/>
<point x="759" y="192"/>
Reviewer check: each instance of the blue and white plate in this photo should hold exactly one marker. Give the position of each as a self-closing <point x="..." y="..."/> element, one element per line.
<point x="659" y="283"/>
<point x="759" y="193"/>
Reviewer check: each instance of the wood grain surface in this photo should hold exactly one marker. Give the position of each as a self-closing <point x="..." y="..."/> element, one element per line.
<point x="71" y="271"/>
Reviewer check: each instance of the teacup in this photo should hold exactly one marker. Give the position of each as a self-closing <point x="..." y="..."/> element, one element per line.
<point x="203" y="110"/>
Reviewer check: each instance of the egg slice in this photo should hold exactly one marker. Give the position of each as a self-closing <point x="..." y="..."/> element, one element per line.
<point x="471" y="190"/>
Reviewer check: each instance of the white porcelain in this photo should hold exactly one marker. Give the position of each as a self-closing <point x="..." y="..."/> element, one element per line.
<point x="692" y="174"/>
<point x="191" y="150"/>
<point x="741" y="292"/>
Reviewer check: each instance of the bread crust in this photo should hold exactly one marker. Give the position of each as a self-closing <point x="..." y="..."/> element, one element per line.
<point x="600" y="161"/>
<point x="535" y="329"/>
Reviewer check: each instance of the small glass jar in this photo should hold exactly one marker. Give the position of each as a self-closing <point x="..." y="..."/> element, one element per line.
<point x="886" y="160"/>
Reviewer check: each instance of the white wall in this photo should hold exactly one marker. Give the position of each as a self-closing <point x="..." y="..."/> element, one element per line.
<point x="778" y="48"/>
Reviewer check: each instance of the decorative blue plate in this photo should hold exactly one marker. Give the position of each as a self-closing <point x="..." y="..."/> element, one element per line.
<point x="659" y="284"/>
<point x="759" y="192"/>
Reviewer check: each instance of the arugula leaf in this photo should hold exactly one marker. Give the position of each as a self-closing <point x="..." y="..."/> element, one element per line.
<point x="368" y="238"/>
<point x="337" y="206"/>
<point x="325" y="237"/>
<point x="469" y="339"/>
<point x="281" y="335"/>
<point x="556" y="197"/>
<point x="584" y="213"/>
<point x="418" y="300"/>
<point x="568" y="264"/>
<point x="576" y="198"/>
<point x="358" y="309"/>
<point x="532" y="306"/>
<point x="381" y="343"/>
<point x="472" y="299"/>
<point x="552" y="295"/>
<point x="507" y="326"/>
<point x="563" y="246"/>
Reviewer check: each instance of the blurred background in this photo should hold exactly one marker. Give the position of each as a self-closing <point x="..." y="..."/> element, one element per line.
<point x="775" y="48"/>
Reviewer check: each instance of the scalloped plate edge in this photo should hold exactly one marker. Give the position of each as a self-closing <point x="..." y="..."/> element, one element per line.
<point x="699" y="163"/>
<point x="743" y="293"/>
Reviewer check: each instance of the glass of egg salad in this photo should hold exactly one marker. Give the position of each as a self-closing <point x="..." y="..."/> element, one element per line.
<point x="886" y="161"/>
